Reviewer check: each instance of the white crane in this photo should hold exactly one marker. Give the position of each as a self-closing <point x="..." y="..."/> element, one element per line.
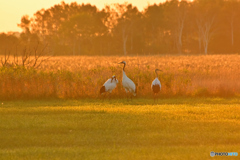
<point x="156" y="84"/>
<point x="127" y="83"/>
<point x="109" y="85"/>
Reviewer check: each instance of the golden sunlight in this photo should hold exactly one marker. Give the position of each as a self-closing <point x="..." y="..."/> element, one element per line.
<point x="11" y="11"/>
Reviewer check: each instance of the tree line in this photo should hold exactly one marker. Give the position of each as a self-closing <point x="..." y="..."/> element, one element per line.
<point x="171" y="27"/>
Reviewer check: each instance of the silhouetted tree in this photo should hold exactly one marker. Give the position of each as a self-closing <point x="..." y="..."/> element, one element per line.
<point x="172" y="26"/>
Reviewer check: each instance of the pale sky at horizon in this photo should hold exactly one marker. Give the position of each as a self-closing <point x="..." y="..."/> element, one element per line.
<point x="11" y="11"/>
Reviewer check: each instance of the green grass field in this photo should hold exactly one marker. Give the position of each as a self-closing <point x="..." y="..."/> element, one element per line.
<point x="180" y="128"/>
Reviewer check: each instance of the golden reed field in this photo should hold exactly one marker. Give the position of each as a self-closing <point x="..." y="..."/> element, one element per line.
<point x="82" y="76"/>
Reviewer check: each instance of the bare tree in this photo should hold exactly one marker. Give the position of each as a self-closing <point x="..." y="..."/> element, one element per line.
<point x="126" y="16"/>
<point x="5" y="59"/>
<point x="176" y="13"/>
<point x="205" y="18"/>
<point x="27" y="58"/>
<point x="182" y="12"/>
<point x="205" y="31"/>
<point x="231" y="13"/>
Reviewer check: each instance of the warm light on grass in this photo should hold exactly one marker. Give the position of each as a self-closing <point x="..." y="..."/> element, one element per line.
<point x="118" y="129"/>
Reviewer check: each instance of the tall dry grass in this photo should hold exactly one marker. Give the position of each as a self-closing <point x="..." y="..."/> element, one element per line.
<point x="82" y="76"/>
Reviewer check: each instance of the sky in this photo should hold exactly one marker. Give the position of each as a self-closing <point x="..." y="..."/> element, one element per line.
<point x="11" y="11"/>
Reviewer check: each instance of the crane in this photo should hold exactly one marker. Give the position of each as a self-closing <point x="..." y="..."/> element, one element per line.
<point x="127" y="83"/>
<point x="109" y="85"/>
<point x="156" y="84"/>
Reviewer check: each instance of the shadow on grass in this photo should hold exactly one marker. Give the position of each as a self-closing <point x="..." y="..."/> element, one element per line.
<point x="100" y="102"/>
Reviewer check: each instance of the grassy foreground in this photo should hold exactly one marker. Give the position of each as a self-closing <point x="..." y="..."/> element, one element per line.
<point x="118" y="129"/>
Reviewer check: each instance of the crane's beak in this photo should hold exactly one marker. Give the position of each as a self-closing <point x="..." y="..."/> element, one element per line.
<point x="120" y="63"/>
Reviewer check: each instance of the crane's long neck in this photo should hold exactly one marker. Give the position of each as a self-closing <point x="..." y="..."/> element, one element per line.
<point x="156" y="73"/>
<point x="124" y="75"/>
<point x="124" y="67"/>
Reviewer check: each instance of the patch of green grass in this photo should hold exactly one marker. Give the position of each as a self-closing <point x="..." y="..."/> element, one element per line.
<point x="119" y="129"/>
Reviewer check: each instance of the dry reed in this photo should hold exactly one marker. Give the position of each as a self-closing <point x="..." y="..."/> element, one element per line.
<point x="82" y="76"/>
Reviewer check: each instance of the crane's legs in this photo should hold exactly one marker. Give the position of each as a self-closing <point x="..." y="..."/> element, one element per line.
<point x="155" y="97"/>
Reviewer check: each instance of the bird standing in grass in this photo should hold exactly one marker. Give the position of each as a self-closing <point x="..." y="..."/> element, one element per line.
<point x="156" y="85"/>
<point x="127" y="83"/>
<point x="109" y="85"/>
